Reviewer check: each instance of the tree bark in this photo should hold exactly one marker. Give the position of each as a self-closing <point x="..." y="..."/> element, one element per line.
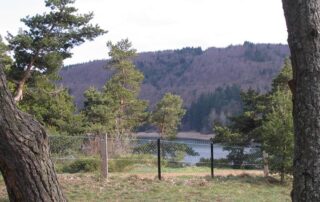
<point x="25" y="163"/>
<point x="303" y="23"/>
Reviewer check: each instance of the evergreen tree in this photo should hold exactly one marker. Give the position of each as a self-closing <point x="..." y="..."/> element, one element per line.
<point x="167" y="115"/>
<point x="277" y="127"/>
<point x="213" y="107"/>
<point x="47" y="41"/>
<point x="242" y="129"/>
<point x="5" y="59"/>
<point x="52" y="106"/>
<point x="39" y="52"/>
<point x="117" y="108"/>
<point x="277" y="131"/>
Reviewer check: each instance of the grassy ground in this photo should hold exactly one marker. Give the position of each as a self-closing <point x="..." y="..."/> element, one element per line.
<point x="190" y="170"/>
<point x="89" y="187"/>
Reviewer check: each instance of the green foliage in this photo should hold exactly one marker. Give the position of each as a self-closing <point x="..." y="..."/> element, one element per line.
<point x="49" y="38"/>
<point x="52" y="106"/>
<point x="61" y="145"/>
<point x="277" y="127"/>
<point x="124" y="163"/>
<point x="167" y="115"/>
<point x="5" y="60"/>
<point x="117" y="109"/>
<point x="277" y="130"/>
<point x="242" y="129"/>
<point x="82" y="165"/>
<point x="280" y="83"/>
<point x="172" y="152"/>
<point x="213" y="107"/>
<point x="38" y="52"/>
<point x="98" y="112"/>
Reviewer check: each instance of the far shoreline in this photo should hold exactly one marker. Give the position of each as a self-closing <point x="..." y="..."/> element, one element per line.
<point x="180" y="135"/>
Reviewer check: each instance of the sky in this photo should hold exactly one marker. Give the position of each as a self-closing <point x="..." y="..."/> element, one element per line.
<point x="153" y="25"/>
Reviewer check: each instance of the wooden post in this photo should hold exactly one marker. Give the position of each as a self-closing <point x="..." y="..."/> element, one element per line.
<point x="265" y="164"/>
<point x="104" y="155"/>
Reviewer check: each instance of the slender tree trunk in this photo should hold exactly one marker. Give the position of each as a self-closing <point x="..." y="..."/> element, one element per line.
<point x="24" y="154"/>
<point x="303" y="23"/>
<point x="19" y="89"/>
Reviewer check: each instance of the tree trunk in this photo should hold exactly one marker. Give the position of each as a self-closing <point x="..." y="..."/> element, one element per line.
<point x="19" y="88"/>
<point x="24" y="154"/>
<point x="303" y="23"/>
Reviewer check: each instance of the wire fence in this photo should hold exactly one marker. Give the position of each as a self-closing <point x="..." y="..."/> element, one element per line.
<point x="84" y="153"/>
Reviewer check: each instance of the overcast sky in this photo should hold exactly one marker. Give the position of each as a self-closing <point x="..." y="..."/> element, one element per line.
<point x="165" y="24"/>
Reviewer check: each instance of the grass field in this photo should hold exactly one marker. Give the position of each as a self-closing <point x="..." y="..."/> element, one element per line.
<point x="119" y="187"/>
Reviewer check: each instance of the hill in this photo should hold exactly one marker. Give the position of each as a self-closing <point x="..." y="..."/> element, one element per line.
<point x="189" y="72"/>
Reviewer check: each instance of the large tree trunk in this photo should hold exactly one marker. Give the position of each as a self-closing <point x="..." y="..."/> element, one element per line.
<point x="24" y="154"/>
<point x="303" y="23"/>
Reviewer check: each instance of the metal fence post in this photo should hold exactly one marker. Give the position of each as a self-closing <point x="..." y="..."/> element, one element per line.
<point x="159" y="159"/>
<point x="104" y="155"/>
<point x="265" y="164"/>
<point x="211" y="160"/>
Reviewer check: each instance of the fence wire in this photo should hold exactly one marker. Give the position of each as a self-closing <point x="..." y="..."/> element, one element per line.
<point x="141" y="155"/>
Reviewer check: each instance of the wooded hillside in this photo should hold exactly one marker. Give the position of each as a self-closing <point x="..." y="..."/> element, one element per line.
<point x="189" y="72"/>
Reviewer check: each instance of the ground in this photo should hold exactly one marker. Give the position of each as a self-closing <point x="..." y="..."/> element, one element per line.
<point x="174" y="187"/>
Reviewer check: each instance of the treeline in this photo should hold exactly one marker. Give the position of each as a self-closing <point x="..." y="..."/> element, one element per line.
<point x="215" y="106"/>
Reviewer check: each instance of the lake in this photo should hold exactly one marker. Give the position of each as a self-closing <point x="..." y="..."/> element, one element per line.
<point x="202" y="147"/>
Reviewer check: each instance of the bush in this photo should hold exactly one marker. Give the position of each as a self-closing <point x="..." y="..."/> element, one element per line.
<point x="82" y="165"/>
<point x="123" y="163"/>
<point x="65" y="145"/>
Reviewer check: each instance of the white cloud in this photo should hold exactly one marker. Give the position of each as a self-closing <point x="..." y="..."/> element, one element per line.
<point x="166" y="24"/>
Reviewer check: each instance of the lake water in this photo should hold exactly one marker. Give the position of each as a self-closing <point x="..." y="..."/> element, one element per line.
<point x="202" y="147"/>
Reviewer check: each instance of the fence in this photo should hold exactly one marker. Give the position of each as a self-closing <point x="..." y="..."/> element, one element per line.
<point x="153" y="156"/>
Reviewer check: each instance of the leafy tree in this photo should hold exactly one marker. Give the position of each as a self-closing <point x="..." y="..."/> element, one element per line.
<point x="167" y="115"/>
<point x="117" y="108"/>
<point x="47" y="41"/>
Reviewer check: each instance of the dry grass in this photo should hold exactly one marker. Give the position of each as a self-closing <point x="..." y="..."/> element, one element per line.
<point x="173" y="187"/>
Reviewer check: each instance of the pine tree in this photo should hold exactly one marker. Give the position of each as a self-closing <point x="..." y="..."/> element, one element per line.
<point x="167" y="115"/>
<point x="25" y="162"/>
<point x="277" y="131"/>
<point x="52" y="106"/>
<point x="302" y="19"/>
<point x="277" y="126"/>
<point x="117" y="108"/>
<point x="47" y="41"/>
